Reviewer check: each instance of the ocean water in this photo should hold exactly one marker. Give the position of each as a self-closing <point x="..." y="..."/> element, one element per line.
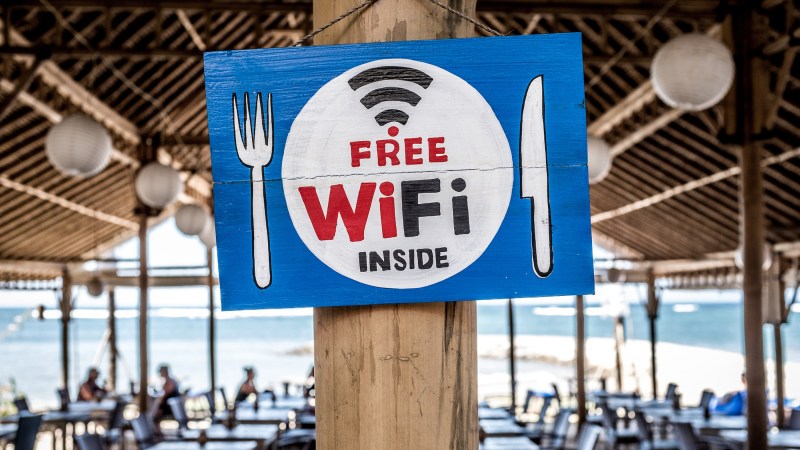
<point x="280" y="346"/>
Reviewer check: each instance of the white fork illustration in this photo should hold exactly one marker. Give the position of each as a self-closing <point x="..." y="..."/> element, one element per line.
<point x="256" y="152"/>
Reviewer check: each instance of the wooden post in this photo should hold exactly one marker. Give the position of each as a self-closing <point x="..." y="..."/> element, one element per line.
<point x="652" y="315"/>
<point x="112" y="341"/>
<point x="780" y="394"/>
<point x="212" y="359"/>
<point x="395" y="376"/>
<point x="512" y="357"/>
<point x="619" y="338"/>
<point x="777" y="329"/>
<point x="66" y="306"/>
<point x="580" y="359"/>
<point x="143" y="286"/>
<point x="749" y="92"/>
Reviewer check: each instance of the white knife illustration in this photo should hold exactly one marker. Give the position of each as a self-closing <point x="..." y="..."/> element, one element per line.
<point x="534" y="182"/>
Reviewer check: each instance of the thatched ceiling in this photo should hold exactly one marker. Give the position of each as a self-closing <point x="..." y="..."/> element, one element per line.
<point x="136" y="67"/>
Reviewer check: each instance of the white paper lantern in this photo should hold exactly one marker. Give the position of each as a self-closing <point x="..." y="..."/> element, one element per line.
<point x="78" y="146"/>
<point x="95" y="286"/>
<point x="158" y="185"/>
<point x="738" y="258"/>
<point x="191" y="219"/>
<point x="599" y="159"/>
<point x="692" y="71"/>
<point x="209" y="234"/>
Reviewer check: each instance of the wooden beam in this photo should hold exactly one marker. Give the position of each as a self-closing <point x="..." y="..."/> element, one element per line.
<point x="144" y="394"/>
<point x="212" y="339"/>
<point x="580" y="359"/>
<point x="66" y="308"/>
<point x="396" y="376"/>
<point x="22" y="84"/>
<point x="64" y="203"/>
<point x="187" y="25"/>
<point x="690" y="186"/>
<point x="614" y="246"/>
<point x="112" y="341"/>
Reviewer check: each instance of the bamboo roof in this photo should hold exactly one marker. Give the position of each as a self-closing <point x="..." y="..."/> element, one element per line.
<point x="136" y="67"/>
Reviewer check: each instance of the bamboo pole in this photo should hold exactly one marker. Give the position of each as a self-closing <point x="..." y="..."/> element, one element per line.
<point x="580" y="359"/>
<point x="395" y="376"/>
<point x="112" y="340"/>
<point x="143" y="286"/>
<point x="748" y="124"/>
<point x="66" y="306"/>
<point x="619" y="340"/>
<point x="512" y="356"/>
<point x="652" y="315"/>
<point x="777" y="329"/>
<point x="212" y="359"/>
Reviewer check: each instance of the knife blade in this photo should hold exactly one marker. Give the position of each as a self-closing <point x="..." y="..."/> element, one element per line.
<point x="534" y="181"/>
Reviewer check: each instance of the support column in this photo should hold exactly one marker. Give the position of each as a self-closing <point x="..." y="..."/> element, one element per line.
<point x="66" y="307"/>
<point x="212" y="340"/>
<point x="580" y="359"/>
<point x="777" y="329"/>
<point x="750" y="89"/>
<point x="112" y="341"/>
<point x="395" y="376"/>
<point x="512" y="360"/>
<point x="143" y="340"/>
<point x="652" y="315"/>
<point x="619" y="340"/>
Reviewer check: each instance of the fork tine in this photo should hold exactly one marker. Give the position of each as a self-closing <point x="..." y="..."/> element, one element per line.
<point x="237" y="132"/>
<point x="248" y="129"/>
<point x="260" y="133"/>
<point x="269" y="118"/>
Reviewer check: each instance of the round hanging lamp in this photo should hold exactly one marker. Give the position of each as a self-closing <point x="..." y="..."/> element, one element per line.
<point x="78" y="146"/>
<point x="191" y="219"/>
<point x="158" y="185"/>
<point x="95" y="286"/>
<point x="209" y="234"/>
<point x="692" y="71"/>
<point x="599" y="159"/>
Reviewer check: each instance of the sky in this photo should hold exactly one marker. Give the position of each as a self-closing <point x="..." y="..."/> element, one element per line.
<point x="168" y="247"/>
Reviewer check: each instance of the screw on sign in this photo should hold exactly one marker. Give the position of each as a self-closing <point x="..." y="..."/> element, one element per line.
<point x="399" y="168"/>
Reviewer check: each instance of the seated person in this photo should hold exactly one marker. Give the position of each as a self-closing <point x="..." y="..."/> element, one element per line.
<point x="733" y="403"/>
<point x="169" y="389"/>
<point x="248" y="386"/>
<point x="90" y="390"/>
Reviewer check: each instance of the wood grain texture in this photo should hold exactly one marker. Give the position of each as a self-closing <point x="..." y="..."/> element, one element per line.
<point x="396" y="376"/>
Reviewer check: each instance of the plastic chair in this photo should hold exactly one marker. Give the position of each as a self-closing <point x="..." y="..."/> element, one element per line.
<point x="27" y="429"/>
<point x="557" y="437"/>
<point x="686" y="438"/>
<point x="705" y="399"/>
<point x="63" y="397"/>
<point x="179" y="412"/>
<point x="116" y="421"/>
<point x="143" y="431"/>
<point x="298" y="440"/>
<point x="646" y="439"/>
<point x="794" y="420"/>
<point x="587" y="438"/>
<point x="672" y="390"/>
<point x="615" y="435"/>
<point x="89" y="442"/>
<point x="22" y="405"/>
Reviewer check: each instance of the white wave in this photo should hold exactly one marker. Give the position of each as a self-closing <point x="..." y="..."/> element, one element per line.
<point x="684" y="308"/>
<point x="559" y="311"/>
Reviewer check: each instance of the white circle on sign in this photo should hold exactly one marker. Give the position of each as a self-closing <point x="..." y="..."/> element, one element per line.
<point x="397" y="174"/>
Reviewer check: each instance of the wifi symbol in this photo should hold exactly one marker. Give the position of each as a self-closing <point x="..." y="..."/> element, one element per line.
<point x="390" y="94"/>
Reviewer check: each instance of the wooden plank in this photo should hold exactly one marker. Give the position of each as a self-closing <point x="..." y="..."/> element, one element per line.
<point x="690" y="186"/>
<point x="395" y="376"/>
<point x="143" y="313"/>
<point x="580" y="359"/>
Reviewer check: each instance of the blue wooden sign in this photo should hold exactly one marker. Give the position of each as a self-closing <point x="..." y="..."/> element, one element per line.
<point x="400" y="172"/>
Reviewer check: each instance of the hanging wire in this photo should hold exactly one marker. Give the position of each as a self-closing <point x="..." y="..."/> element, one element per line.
<point x="368" y="3"/>
<point x="629" y="45"/>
